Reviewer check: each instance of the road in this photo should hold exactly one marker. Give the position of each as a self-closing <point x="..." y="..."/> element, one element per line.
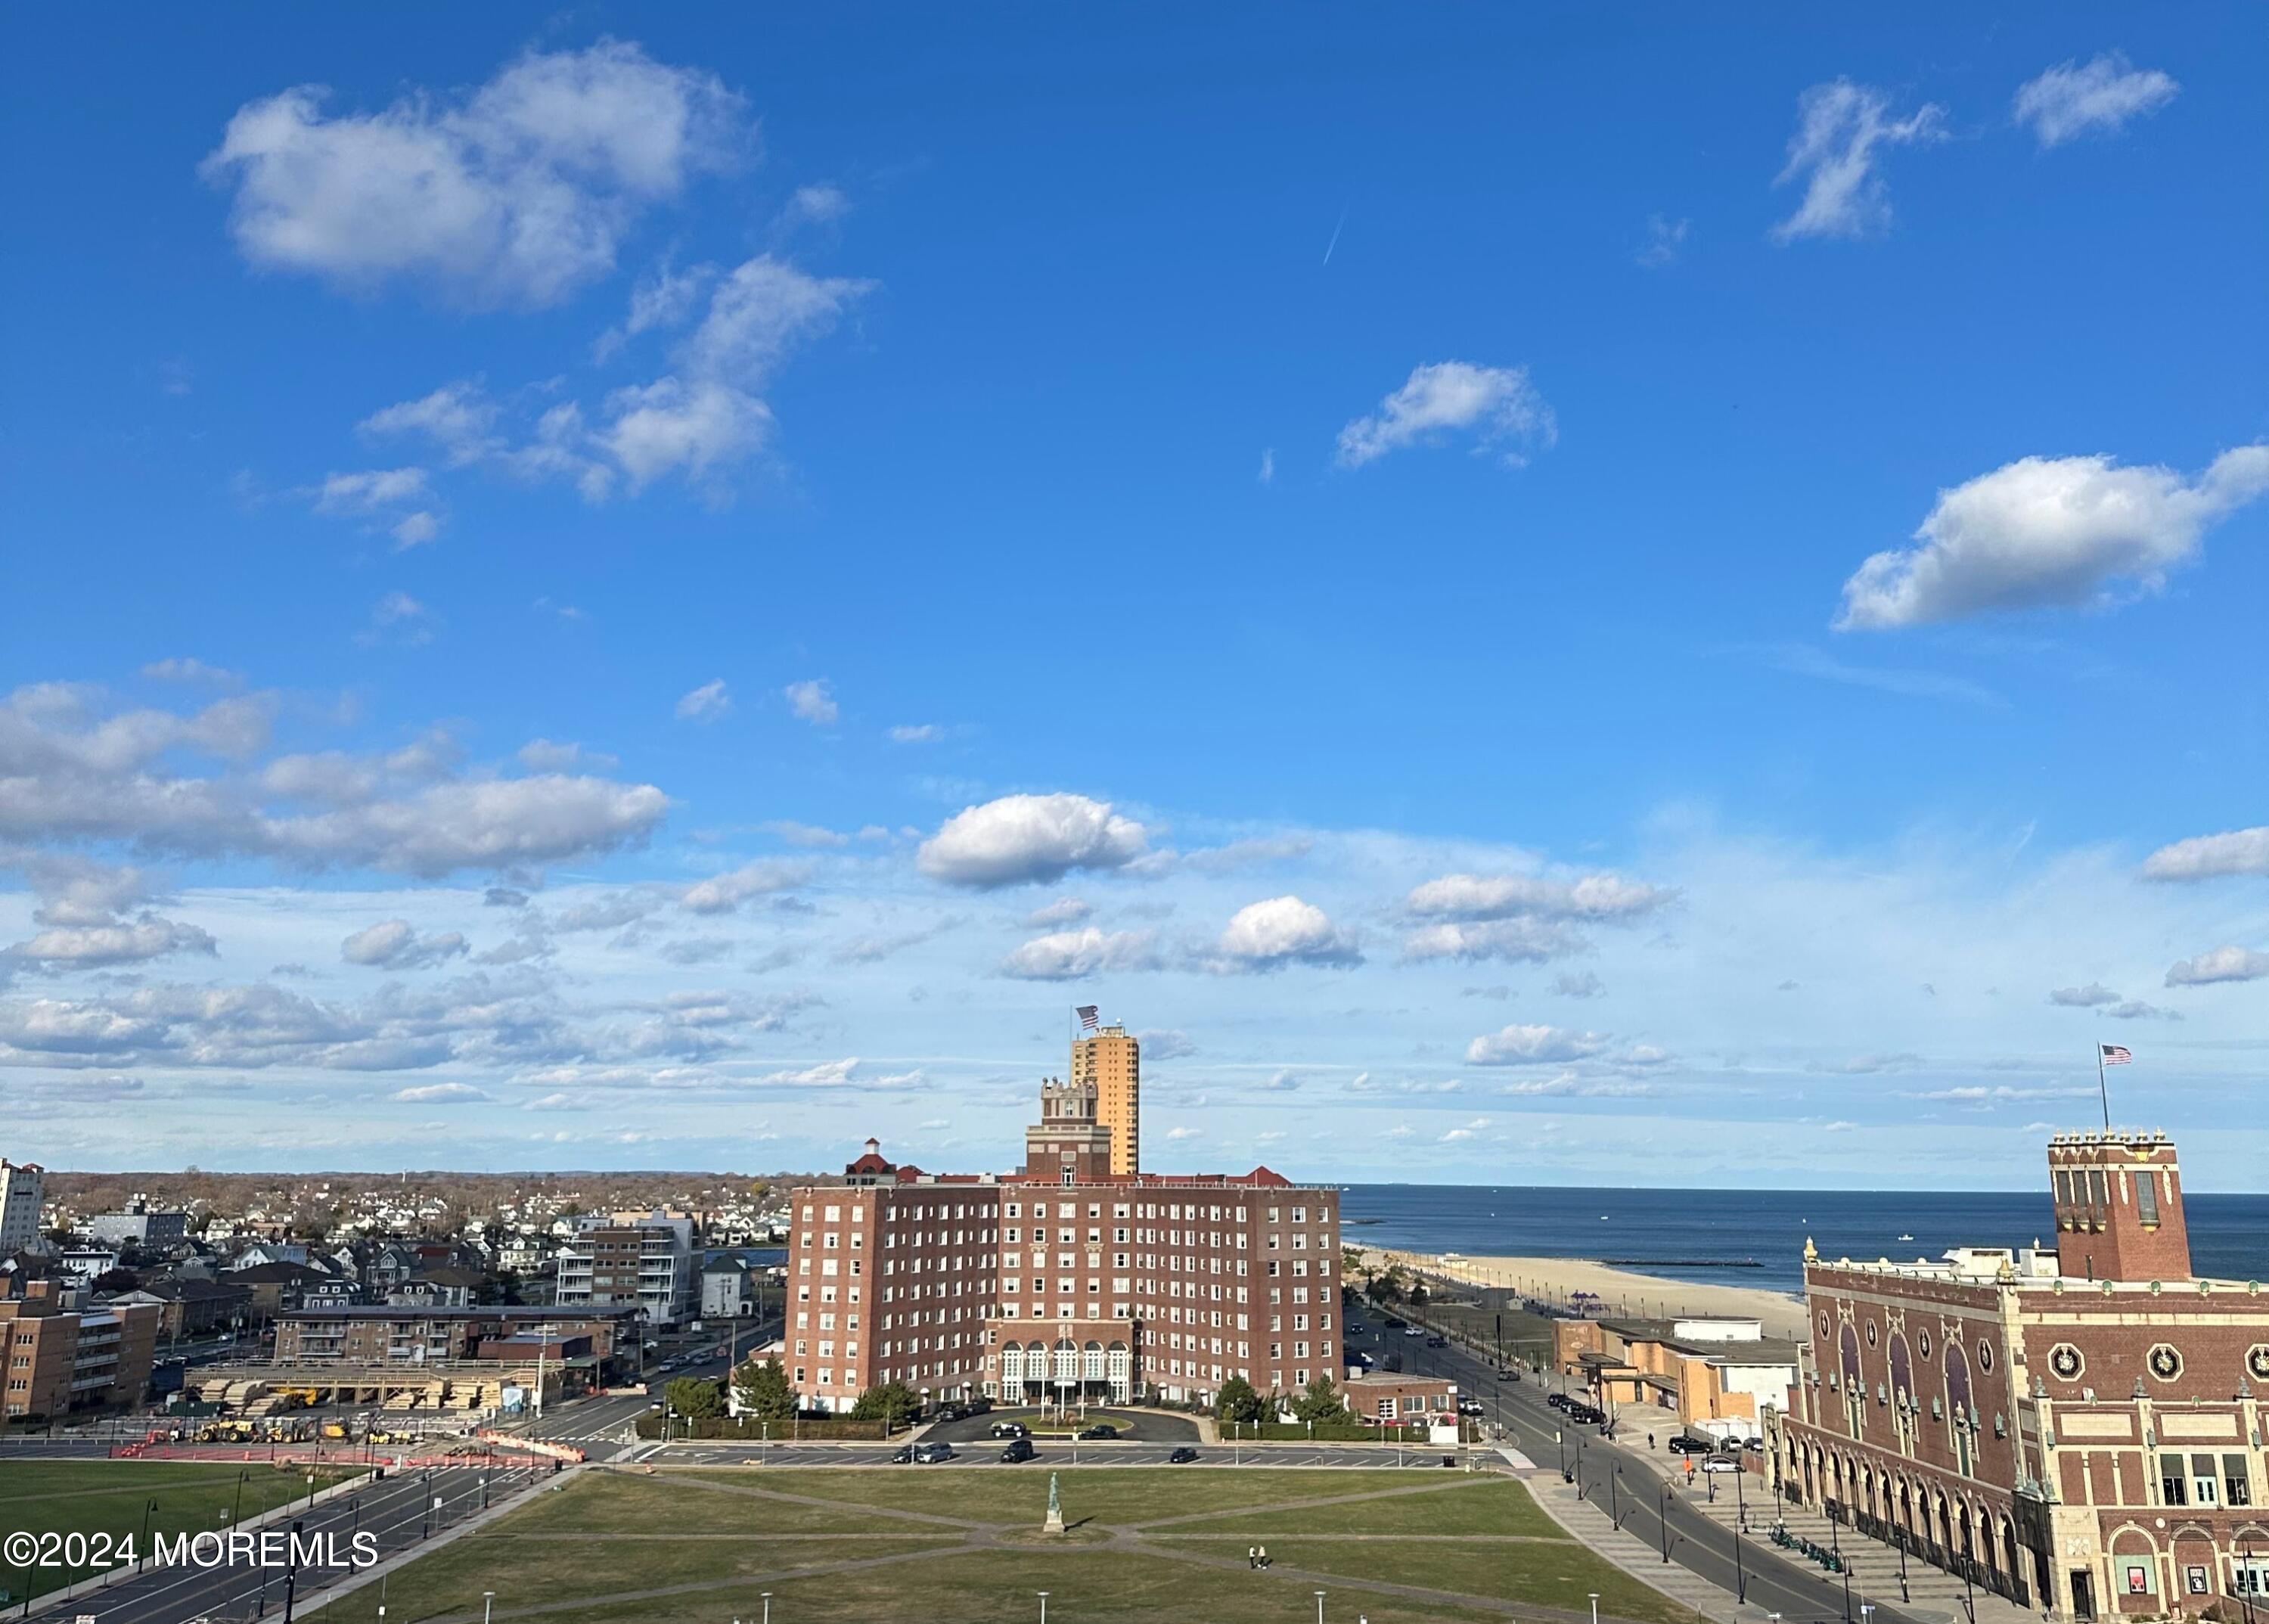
<point x="1051" y="1453"/>
<point x="399" y="1512"/>
<point x="1613" y="1475"/>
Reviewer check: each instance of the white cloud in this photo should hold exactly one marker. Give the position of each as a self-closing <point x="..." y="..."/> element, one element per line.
<point x="458" y="418"/>
<point x="1030" y="839"/>
<point x="69" y="771"/>
<point x="545" y="755"/>
<point x="722" y="893"/>
<point x="1180" y="1134"/>
<point x="2094" y="995"/>
<point x="2136" y="1010"/>
<point x="2221" y="964"/>
<point x="1062" y="911"/>
<point x="1496" y="404"/>
<point x="1268" y="465"/>
<point x="2046" y="532"/>
<point x="812" y="836"/>
<point x="2069" y="100"/>
<point x="1593" y="897"/>
<point x="821" y="204"/>
<point x="1282" y="930"/>
<point x="672" y="425"/>
<point x="1070" y="956"/>
<point x="706" y="703"/>
<point x="1583" y="986"/>
<point x="1840" y="127"/>
<point x="369" y="491"/>
<point x="440" y="1093"/>
<point x="1534" y="1045"/>
<point x="2211" y="857"/>
<point x="184" y="670"/>
<point x="1165" y="1044"/>
<point x="93" y="945"/>
<point x="392" y="944"/>
<point x="814" y="702"/>
<point x="918" y="733"/>
<point x="1666" y="240"/>
<point x="414" y="530"/>
<point x="1529" y="941"/>
<point x="515" y="194"/>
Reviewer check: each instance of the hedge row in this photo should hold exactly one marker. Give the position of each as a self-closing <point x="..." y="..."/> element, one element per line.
<point x="747" y="1429"/>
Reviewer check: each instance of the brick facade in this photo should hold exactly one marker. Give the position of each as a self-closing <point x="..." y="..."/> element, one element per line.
<point x="2078" y="1430"/>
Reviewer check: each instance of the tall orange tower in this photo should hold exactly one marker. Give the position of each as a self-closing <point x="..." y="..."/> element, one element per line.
<point x="1110" y="1061"/>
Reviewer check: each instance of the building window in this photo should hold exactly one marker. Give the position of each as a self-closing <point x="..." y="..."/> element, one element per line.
<point x="2205" y="1489"/>
<point x="2236" y="1490"/>
<point x="2172" y="1489"/>
<point x="2147" y="1200"/>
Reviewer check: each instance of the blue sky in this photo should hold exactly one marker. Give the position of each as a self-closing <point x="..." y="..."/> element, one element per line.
<point x="1539" y="593"/>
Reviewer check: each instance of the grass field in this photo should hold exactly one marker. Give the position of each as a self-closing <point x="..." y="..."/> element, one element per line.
<point x="950" y="1546"/>
<point x="109" y="1497"/>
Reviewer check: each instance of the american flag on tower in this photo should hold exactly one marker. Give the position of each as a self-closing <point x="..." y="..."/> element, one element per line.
<point x="1087" y="1016"/>
<point x="2114" y="1055"/>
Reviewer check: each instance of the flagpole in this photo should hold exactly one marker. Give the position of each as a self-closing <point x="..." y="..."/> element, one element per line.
<point x="2102" y="1093"/>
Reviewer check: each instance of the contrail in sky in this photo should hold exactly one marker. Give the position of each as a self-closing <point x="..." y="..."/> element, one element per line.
<point x="1335" y="242"/>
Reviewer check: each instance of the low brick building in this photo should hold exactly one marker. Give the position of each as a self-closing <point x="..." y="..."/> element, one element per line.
<point x="1696" y="1368"/>
<point x="1392" y="1399"/>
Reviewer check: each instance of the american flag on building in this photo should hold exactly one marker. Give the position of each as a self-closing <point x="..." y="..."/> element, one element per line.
<point x="2114" y="1055"/>
<point x="1087" y="1016"/>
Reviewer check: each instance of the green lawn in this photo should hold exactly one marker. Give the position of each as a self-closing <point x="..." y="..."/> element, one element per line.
<point x="1539" y="1572"/>
<point x="109" y="1497"/>
<point x="1497" y="1506"/>
<point x="946" y="1546"/>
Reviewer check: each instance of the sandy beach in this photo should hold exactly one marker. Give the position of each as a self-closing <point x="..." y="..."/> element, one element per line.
<point x="1624" y="1294"/>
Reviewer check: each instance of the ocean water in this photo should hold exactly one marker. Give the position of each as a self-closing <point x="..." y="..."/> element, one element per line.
<point x="1714" y="1235"/>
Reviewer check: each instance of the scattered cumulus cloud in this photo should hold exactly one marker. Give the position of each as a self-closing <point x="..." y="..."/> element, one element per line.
<point x="2211" y="857"/>
<point x="914" y="733"/>
<point x="2070" y="101"/>
<point x="711" y="701"/>
<point x="722" y="893"/>
<point x="1535" y="1046"/>
<point x="2049" y="532"/>
<point x="1075" y="954"/>
<point x="1030" y="839"/>
<point x="514" y="194"/>
<point x="2219" y="965"/>
<point x="1496" y="407"/>
<point x="1842" y="129"/>
<point x="2092" y="996"/>
<point x="392" y="944"/>
<point x="440" y="1093"/>
<point x="814" y="702"/>
<point x="1278" y="932"/>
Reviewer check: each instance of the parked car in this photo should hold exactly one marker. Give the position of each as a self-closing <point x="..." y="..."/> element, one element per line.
<point x="1101" y="1429"/>
<point x="1508" y="1373"/>
<point x="1182" y="1456"/>
<point x="1590" y="1414"/>
<point x="1470" y="1407"/>
<point x="904" y="1457"/>
<point x="1011" y="1429"/>
<point x="1394" y="1324"/>
<point x="1412" y="1330"/>
<point x="1558" y="1400"/>
<point x="1437" y="1341"/>
<point x="951" y="1411"/>
<point x="930" y="1454"/>
<point x="1680" y="1444"/>
<point x="1019" y="1449"/>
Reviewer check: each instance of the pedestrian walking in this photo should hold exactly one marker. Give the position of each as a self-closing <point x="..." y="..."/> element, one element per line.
<point x="1251" y="1557"/>
<point x="1649" y="1440"/>
<point x="1264" y="1557"/>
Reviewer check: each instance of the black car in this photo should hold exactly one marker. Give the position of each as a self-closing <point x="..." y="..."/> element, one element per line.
<point x="1011" y="1430"/>
<point x="1558" y="1400"/>
<point x="905" y="1456"/>
<point x="1101" y="1429"/>
<point x="1182" y="1456"/>
<point x="1437" y="1341"/>
<point x="1396" y="1324"/>
<point x="1588" y="1413"/>
<point x="951" y="1411"/>
<point x="1019" y="1449"/>
<point x="1683" y="1445"/>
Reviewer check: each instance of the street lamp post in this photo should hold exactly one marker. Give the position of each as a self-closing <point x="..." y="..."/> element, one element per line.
<point x="292" y="1571"/>
<point x="1561" y="1438"/>
<point x="1594" y="1595"/>
<point x="1615" y="1498"/>
<point x="239" y="1510"/>
<point x="1663" y="1511"/>
<point x="767" y="1597"/>
<point x="1320" y="1608"/>
<point x="141" y="1552"/>
<point x="488" y="1603"/>
<point x="1044" y="1607"/>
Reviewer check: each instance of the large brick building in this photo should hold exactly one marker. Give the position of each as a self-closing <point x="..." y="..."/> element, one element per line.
<point x="1063" y="1281"/>
<point x="59" y="1359"/>
<point x="2079" y="1429"/>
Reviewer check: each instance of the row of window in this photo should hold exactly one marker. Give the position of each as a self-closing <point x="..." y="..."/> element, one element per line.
<point x="2204" y="1481"/>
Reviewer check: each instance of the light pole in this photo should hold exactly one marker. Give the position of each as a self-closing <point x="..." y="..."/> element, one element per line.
<point x="488" y="1601"/>
<point x="767" y="1597"/>
<point x="1561" y="1438"/>
<point x="1614" y="1499"/>
<point x="1044" y="1607"/>
<point x="140" y="1554"/>
<point x="1663" y="1511"/>
<point x="1320" y="1608"/>
<point x="1594" y="1595"/>
<point x="292" y="1572"/>
<point x="239" y="1510"/>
